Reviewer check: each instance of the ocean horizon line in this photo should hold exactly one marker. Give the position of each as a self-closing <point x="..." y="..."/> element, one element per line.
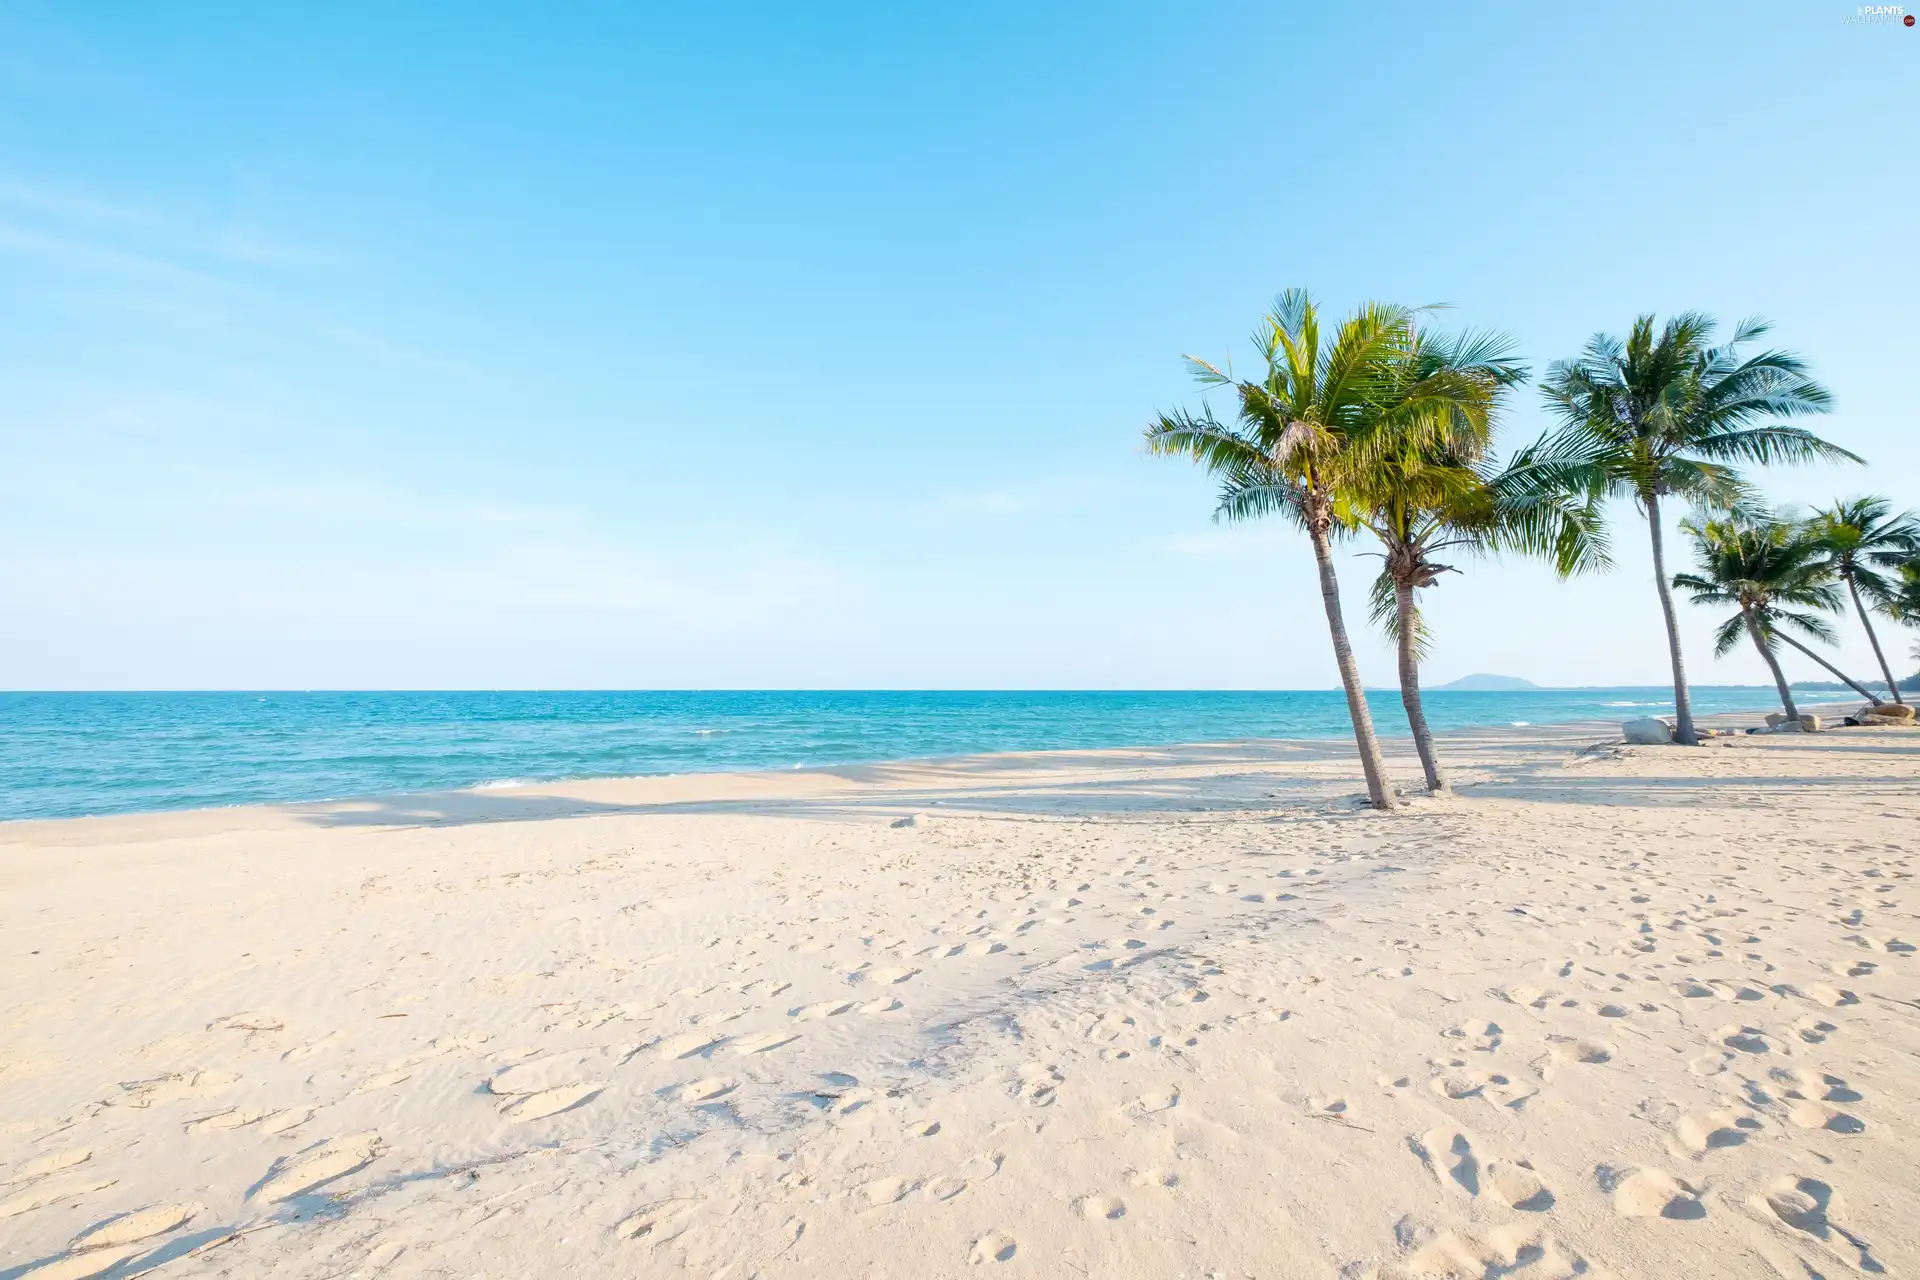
<point x="187" y="691"/>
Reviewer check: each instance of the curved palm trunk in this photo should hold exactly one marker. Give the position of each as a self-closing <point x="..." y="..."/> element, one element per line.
<point x="1858" y="688"/>
<point x="1370" y="762"/>
<point x="1409" y="616"/>
<point x="1683" y="730"/>
<point x="1773" y="663"/>
<point x="1893" y="686"/>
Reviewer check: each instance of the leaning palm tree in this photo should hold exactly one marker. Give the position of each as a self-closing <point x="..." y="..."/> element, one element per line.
<point x="1666" y="415"/>
<point x="1772" y="574"/>
<point x="1323" y="403"/>
<point x="1862" y="541"/>
<point x="1904" y="606"/>
<point x="1434" y="492"/>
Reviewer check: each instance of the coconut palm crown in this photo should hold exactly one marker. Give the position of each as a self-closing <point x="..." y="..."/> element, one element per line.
<point x="1668" y="413"/>
<point x="1434" y="492"/>
<point x="1776" y="579"/>
<point x="1865" y="546"/>
<point x="1324" y="404"/>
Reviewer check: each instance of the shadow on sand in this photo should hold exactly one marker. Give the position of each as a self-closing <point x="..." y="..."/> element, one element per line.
<point x="1206" y="782"/>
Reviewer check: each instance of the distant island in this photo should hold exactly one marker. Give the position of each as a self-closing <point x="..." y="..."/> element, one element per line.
<point x="1484" y="682"/>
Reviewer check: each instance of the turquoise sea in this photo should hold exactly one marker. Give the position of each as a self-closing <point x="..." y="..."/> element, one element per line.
<point x="75" y="754"/>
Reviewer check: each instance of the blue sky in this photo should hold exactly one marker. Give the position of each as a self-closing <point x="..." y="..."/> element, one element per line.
<point x="783" y="346"/>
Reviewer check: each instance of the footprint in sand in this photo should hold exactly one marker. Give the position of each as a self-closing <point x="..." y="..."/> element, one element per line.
<point x="85" y="1265"/>
<point x="1702" y="1132"/>
<point x="1495" y="1087"/>
<point x="977" y="1169"/>
<point x="236" y="1118"/>
<point x="140" y="1094"/>
<point x="1449" y="1155"/>
<point x="51" y="1164"/>
<point x="536" y="1074"/>
<point x="704" y="1090"/>
<point x="1038" y="1084"/>
<point x="386" y="1081"/>
<point x="384" y="1255"/>
<point x="1745" y="1039"/>
<point x="995" y="1246"/>
<point x="823" y="1009"/>
<point x="945" y="1187"/>
<point x="1515" y="1184"/>
<point x="1100" y="1208"/>
<point x="1511" y="1249"/>
<point x="1832" y="997"/>
<point x="841" y="1094"/>
<point x="1814" y="1030"/>
<point x="1457" y="1087"/>
<point x="1649" y="1193"/>
<point x="1803" y="1082"/>
<point x="881" y="977"/>
<point x="688" y="1044"/>
<point x="1810" y="1207"/>
<point x="1591" y="1052"/>
<point x="1808" y="1114"/>
<point x="318" y="1165"/>
<point x="1158" y="1100"/>
<point x="1480" y="1035"/>
<point x="129" y="1228"/>
<point x="659" y="1222"/>
<point x="50" y="1194"/>
<point x="282" y="1122"/>
<point x="885" y="1191"/>
<point x="765" y="1042"/>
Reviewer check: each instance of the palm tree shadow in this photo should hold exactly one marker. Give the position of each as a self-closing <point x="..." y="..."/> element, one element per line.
<point x="1215" y="780"/>
<point x="1266" y="781"/>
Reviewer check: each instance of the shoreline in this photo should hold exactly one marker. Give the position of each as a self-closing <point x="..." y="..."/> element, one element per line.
<point x="1395" y="744"/>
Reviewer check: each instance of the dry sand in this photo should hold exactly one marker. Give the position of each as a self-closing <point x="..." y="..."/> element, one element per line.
<point x="1644" y="1012"/>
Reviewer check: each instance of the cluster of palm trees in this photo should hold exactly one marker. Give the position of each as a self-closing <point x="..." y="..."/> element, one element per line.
<point x="1781" y="574"/>
<point x="1375" y="424"/>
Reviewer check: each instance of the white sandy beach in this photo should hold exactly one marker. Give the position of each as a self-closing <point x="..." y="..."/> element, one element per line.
<point x="1639" y="1012"/>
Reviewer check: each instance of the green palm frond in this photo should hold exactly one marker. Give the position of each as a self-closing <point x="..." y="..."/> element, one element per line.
<point x="1207" y="441"/>
<point x="1865" y="544"/>
<point x="1667" y="412"/>
<point x="1808" y="623"/>
<point x="1771" y="569"/>
<point x="1728" y="635"/>
<point x="1383" y="610"/>
<point x="1769" y="445"/>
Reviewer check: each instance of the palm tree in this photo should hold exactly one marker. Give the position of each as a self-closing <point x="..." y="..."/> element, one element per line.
<point x="1861" y="539"/>
<point x="1904" y="606"/>
<point x="1438" y="492"/>
<point x="1322" y="404"/>
<point x="1771" y="572"/>
<point x="1667" y="414"/>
